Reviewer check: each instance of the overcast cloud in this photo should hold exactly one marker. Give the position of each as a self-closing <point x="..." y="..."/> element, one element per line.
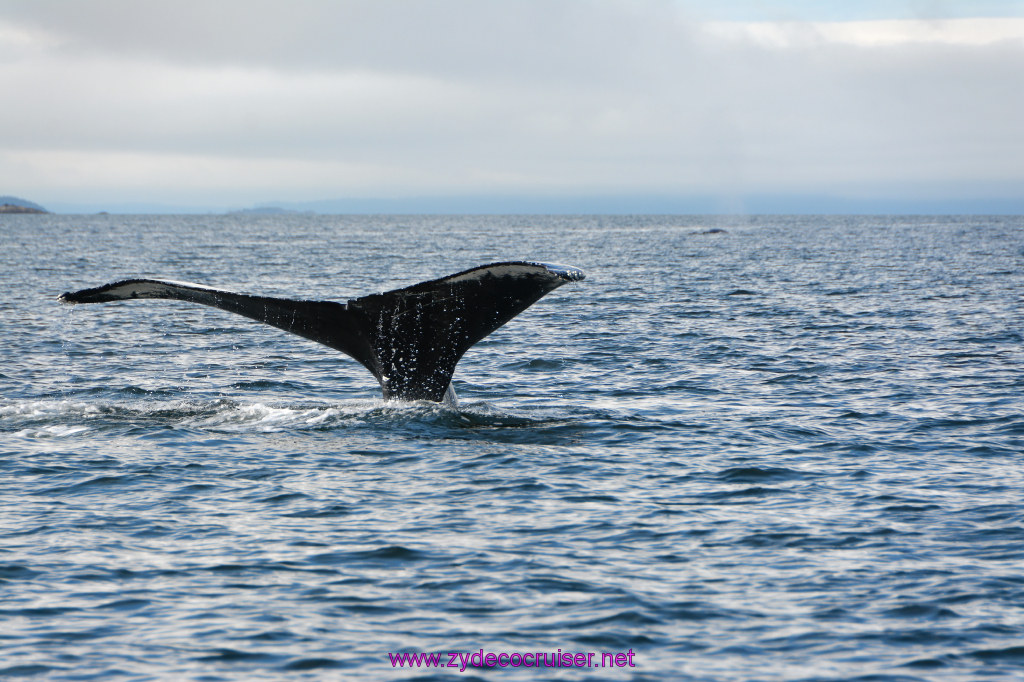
<point x="233" y="103"/>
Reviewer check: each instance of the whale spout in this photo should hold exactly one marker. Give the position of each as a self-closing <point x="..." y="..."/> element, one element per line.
<point x="410" y="339"/>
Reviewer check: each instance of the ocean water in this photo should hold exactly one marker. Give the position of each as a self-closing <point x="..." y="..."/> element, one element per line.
<point x="790" y="450"/>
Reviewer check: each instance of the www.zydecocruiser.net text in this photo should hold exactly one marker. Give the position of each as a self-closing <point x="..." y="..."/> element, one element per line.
<point x="514" y="659"/>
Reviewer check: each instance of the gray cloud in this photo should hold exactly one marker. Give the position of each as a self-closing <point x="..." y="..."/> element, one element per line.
<point x="318" y="99"/>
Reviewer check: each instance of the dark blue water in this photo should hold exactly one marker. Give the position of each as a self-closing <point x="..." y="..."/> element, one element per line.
<point x="792" y="450"/>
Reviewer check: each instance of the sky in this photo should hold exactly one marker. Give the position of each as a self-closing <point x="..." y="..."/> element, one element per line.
<point x="514" y="106"/>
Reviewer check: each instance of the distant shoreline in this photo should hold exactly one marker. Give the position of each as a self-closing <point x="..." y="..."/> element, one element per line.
<point x="14" y="208"/>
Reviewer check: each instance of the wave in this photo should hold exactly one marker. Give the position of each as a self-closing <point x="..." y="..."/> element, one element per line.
<point x="65" y="418"/>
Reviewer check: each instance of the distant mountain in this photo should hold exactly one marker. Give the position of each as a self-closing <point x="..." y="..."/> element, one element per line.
<point x="15" y="205"/>
<point x="265" y="210"/>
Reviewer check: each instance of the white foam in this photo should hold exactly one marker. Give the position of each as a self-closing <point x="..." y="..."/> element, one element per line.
<point x="53" y="431"/>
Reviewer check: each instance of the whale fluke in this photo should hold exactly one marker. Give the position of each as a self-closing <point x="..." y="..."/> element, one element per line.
<point x="410" y="339"/>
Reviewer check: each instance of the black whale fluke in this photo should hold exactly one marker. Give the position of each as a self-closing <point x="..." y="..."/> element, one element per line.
<point x="410" y="339"/>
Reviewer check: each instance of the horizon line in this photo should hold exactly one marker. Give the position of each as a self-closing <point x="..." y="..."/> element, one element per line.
<point x="613" y="204"/>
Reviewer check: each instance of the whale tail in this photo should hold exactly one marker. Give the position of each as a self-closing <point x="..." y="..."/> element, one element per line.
<point x="410" y="339"/>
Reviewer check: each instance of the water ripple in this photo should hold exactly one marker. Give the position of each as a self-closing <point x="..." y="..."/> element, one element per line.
<point x="787" y="451"/>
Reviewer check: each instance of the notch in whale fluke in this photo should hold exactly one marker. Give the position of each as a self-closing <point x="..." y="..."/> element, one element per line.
<point x="410" y="339"/>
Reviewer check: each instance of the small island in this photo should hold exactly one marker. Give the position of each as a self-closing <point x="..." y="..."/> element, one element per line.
<point x="268" y="210"/>
<point x="16" y="205"/>
<point x="14" y="208"/>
